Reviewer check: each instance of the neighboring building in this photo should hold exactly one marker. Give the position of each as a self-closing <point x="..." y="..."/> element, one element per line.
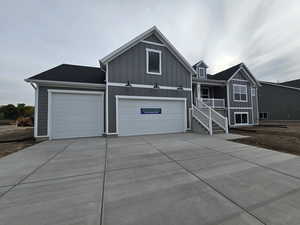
<point x="292" y="83"/>
<point x="278" y="101"/>
<point x="144" y="87"/>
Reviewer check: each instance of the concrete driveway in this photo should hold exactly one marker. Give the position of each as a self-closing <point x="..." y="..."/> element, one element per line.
<point x="171" y="179"/>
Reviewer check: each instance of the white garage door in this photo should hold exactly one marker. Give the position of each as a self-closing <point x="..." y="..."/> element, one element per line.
<point x="75" y="114"/>
<point x="150" y="116"/>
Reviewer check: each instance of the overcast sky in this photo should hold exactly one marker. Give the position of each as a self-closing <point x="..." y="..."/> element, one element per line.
<point x="38" y="35"/>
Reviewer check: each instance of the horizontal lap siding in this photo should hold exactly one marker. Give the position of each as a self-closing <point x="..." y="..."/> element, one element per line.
<point x="231" y="97"/>
<point x="250" y="106"/>
<point x="113" y="91"/>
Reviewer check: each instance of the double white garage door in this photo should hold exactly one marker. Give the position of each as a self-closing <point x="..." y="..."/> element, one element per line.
<point x="150" y="116"/>
<point x="81" y="114"/>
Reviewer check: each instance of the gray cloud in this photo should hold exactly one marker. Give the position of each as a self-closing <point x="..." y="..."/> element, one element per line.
<point x="37" y="35"/>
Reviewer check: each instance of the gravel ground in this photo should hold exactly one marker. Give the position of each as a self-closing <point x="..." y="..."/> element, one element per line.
<point x="13" y="139"/>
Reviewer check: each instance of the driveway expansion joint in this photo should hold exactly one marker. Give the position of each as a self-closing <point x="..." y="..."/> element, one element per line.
<point x="251" y="162"/>
<point x="208" y="184"/>
<point x="103" y="183"/>
<point x="36" y="169"/>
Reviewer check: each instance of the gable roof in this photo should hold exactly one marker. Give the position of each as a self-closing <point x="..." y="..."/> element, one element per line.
<point x="228" y="73"/>
<point x="71" y="73"/>
<point x="292" y="83"/>
<point x="141" y="37"/>
<point x="202" y="63"/>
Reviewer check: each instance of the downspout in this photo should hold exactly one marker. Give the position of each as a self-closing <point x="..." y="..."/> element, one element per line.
<point x="35" y="87"/>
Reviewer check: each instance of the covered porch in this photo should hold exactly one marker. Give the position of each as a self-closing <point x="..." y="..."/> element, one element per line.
<point x="214" y="94"/>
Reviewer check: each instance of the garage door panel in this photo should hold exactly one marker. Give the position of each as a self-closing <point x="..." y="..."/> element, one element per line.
<point x="133" y="122"/>
<point x="76" y="115"/>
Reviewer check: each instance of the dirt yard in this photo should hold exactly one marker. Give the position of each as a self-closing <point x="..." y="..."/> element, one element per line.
<point x="279" y="136"/>
<point x="13" y="139"/>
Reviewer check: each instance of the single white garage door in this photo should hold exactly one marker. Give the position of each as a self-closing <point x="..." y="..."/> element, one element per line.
<point x="150" y="116"/>
<point x="75" y="114"/>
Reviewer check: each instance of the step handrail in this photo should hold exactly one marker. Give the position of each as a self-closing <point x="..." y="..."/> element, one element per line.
<point x="207" y="127"/>
<point x="212" y="111"/>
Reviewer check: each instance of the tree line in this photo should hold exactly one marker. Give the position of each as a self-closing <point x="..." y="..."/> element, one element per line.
<point x="12" y="112"/>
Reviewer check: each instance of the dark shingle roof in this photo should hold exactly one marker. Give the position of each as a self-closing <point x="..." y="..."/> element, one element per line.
<point x="292" y="83"/>
<point x="225" y="74"/>
<point x="72" y="73"/>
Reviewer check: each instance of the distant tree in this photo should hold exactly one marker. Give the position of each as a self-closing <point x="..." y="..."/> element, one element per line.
<point x="9" y="111"/>
<point x="28" y="111"/>
<point x="2" y="116"/>
<point x="12" y="112"/>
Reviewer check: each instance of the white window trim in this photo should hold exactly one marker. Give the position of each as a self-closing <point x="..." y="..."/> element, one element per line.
<point x="118" y="97"/>
<point x="146" y="86"/>
<point x="147" y="61"/>
<point x="204" y="73"/>
<point x="153" y="43"/>
<point x="50" y="92"/>
<point x="240" y="85"/>
<point x="241" y="124"/>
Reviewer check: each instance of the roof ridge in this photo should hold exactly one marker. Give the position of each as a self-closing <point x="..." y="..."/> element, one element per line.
<point x="239" y="64"/>
<point x="67" y="64"/>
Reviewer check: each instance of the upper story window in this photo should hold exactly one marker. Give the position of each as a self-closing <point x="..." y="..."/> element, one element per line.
<point x="153" y="61"/>
<point x="240" y="93"/>
<point x="201" y="72"/>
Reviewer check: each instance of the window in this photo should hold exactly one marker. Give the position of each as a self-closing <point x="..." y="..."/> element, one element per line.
<point x="204" y="93"/>
<point x="253" y="92"/>
<point x="241" y="118"/>
<point x="153" y="62"/>
<point x="201" y="72"/>
<point x="240" y="93"/>
<point x="150" y="110"/>
<point x="263" y="116"/>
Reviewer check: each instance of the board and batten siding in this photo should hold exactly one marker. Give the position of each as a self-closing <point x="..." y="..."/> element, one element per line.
<point x="249" y="106"/>
<point x="131" y="66"/>
<point x="42" y="128"/>
<point x="130" y="91"/>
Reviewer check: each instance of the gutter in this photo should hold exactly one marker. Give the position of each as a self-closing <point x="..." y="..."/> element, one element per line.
<point x="279" y="85"/>
<point x="64" y="83"/>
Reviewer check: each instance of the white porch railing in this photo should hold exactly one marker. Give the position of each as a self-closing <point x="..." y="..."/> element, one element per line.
<point x="206" y="115"/>
<point x="215" y="102"/>
<point x="202" y="118"/>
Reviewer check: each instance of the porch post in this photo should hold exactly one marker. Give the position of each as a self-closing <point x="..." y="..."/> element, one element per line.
<point x="198" y="91"/>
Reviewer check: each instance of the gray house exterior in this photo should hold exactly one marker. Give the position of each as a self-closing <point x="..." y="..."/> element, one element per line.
<point x="144" y="87"/>
<point x="279" y="101"/>
<point x="232" y="93"/>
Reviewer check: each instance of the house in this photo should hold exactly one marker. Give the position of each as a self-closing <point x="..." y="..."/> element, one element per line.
<point x="231" y="93"/>
<point x="279" y="101"/>
<point x="144" y="87"/>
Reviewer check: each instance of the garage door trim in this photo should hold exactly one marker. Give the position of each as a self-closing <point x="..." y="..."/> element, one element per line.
<point x="148" y="98"/>
<point x="51" y="91"/>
